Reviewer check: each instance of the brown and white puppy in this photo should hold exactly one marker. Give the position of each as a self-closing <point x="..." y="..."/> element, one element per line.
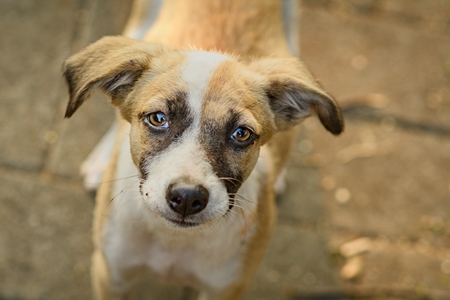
<point x="189" y="191"/>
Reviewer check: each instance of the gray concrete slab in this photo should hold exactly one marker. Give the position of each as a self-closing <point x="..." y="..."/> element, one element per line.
<point x="45" y="240"/>
<point x="35" y="39"/>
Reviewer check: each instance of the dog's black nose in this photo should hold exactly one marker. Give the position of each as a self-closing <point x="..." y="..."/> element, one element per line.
<point x="187" y="200"/>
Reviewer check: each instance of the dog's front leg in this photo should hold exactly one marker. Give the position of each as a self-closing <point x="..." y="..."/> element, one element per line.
<point x="101" y="279"/>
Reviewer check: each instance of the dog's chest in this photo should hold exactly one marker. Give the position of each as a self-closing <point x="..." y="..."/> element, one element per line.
<point x="210" y="258"/>
<point x="206" y="262"/>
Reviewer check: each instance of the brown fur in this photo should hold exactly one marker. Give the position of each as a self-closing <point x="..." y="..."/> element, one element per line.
<point x="247" y="29"/>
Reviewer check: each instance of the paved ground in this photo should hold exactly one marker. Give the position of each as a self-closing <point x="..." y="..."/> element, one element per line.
<point x="366" y="214"/>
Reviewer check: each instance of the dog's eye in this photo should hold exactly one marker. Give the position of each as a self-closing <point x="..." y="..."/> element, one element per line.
<point x="157" y="119"/>
<point x="242" y="135"/>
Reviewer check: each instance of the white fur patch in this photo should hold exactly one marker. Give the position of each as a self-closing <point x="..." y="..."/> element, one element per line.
<point x="196" y="73"/>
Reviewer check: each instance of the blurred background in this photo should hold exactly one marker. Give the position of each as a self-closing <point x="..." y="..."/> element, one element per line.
<point x="366" y="214"/>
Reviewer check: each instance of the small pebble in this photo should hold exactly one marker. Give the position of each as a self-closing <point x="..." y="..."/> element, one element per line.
<point x="342" y="195"/>
<point x="355" y="247"/>
<point x="352" y="268"/>
<point x="377" y="100"/>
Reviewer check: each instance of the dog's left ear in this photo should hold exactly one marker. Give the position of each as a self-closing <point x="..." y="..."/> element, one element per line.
<point x="113" y="64"/>
<point x="293" y="94"/>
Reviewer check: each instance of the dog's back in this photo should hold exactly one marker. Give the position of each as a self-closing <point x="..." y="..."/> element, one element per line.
<point x="244" y="28"/>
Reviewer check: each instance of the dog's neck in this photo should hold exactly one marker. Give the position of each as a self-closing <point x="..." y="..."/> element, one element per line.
<point x="226" y="26"/>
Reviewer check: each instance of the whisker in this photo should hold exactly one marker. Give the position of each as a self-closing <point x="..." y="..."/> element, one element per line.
<point x="120" y="193"/>
<point x="233" y="215"/>
<point x="245" y="210"/>
<point x="113" y="180"/>
<point x="126" y="201"/>
<point x="211" y="227"/>
<point x="241" y="197"/>
<point x="240" y="206"/>
<point x="241" y="214"/>
<point x="230" y="179"/>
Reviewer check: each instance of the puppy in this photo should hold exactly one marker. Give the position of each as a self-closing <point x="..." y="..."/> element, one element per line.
<point x="188" y="193"/>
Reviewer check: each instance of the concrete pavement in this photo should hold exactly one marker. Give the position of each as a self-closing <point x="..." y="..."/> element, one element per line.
<point x="366" y="215"/>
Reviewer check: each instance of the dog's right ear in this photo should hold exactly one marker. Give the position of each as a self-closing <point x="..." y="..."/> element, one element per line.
<point x="112" y="64"/>
<point x="293" y="94"/>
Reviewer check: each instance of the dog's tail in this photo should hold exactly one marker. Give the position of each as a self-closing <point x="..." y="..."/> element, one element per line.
<point x="143" y="15"/>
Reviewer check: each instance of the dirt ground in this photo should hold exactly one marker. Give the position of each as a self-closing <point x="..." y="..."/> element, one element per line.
<point x="366" y="214"/>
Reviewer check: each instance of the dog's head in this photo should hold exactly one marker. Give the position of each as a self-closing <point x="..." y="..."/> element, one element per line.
<point x="198" y="119"/>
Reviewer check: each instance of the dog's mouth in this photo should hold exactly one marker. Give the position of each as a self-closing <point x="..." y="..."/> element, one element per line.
<point x="183" y="223"/>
